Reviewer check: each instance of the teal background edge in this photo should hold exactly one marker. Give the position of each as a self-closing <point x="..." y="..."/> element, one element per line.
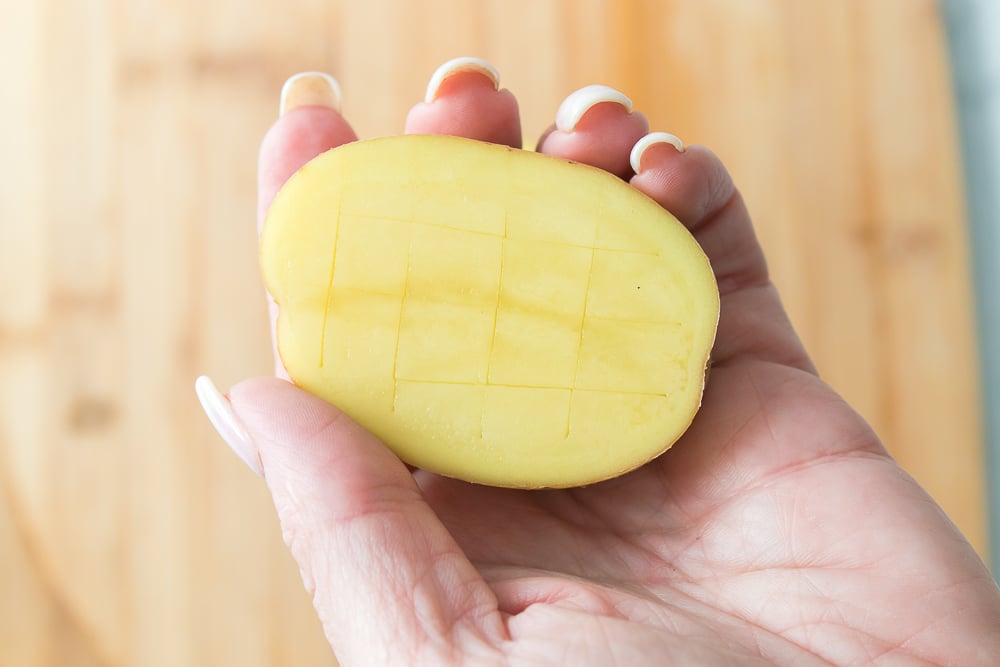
<point x="973" y="31"/>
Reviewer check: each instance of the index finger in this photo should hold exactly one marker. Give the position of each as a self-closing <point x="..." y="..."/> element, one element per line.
<point x="309" y="124"/>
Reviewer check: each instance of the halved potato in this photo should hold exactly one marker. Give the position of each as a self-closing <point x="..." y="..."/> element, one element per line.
<point x="491" y="314"/>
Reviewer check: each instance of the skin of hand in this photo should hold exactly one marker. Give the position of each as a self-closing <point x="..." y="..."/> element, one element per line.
<point x="776" y="531"/>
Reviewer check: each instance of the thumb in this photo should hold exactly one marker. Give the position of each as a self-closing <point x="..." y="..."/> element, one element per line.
<point x="387" y="579"/>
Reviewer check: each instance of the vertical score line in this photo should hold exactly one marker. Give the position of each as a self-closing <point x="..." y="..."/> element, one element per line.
<point x="329" y="289"/>
<point x="579" y="344"/>
<point x="399" y="320"/>
<point x="496" y="314"/>
<point x="496" y="307"/>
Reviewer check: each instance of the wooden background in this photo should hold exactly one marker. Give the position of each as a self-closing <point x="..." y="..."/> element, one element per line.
<point x="129" y="535"/>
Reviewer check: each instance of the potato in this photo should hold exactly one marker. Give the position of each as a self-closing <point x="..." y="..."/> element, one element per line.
<point x="494" y="315"/>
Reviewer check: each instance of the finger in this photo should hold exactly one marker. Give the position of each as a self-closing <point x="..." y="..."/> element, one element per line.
<point x="309" y="124"/>
<point x="596" y="125"/>
<point x="464" y="100"/>
<point x="387" y="579"/>
<point x="694" y="186"/>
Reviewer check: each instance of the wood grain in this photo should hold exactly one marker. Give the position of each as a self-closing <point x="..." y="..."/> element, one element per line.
<point x="129" y="536"/>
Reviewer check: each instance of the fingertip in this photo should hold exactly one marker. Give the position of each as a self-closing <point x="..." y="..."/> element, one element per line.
<point x="471" y="112"/>
<point x="296" y="137"/>
<point x="596" y="126"/>
<point x="227" y="423"/>
<point x="251" y="389"/>
<point x="279" y="408"/>
<point x="310" y="89"/>
<point x="577" y="104"/>
<point x="261" y="401"/>
<point x="691" y="184"/>
<point x="447" y="76"/>
<point x="464" y="100"/>
<point x="652" y="142"/>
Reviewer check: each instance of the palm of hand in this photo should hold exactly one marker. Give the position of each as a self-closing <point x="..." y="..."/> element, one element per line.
<point x="777" y="530"/>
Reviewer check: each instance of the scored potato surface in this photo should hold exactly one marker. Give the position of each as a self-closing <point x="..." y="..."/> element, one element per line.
<point x="491" y="314"/>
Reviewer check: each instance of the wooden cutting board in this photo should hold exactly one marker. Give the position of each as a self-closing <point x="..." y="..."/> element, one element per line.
<point x="129" y="535"/>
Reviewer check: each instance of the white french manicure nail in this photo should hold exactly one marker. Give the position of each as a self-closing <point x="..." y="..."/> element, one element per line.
<point x="310" y="89"/>
<point x="635" y="157"/>
<point x="455" y="65"/>
<point x="225" y="421"/>
<point x="579" y="102"/>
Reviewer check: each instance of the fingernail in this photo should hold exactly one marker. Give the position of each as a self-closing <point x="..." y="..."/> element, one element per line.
<point x="310" y="89"/>
<point x="456" y="65"/>
<point x="578" y="103"/>
<point x="635" y="157"/>
<point x="225" y="421"/>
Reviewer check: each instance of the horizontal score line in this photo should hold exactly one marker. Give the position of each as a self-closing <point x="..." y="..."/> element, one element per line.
<point x="624" y="320"/>
<point x="397" y="297"/>
<point x="501" y="236"/>
<point x="525" y="386"/>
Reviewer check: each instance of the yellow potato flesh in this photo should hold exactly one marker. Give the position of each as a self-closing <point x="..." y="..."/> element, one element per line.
<point x="491" y="314"/>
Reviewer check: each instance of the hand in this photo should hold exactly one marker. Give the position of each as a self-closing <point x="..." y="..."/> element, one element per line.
<point x="777" y="530"/>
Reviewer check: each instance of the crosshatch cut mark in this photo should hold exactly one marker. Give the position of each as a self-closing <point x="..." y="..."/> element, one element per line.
<point x="399" y="323"/>
<point x="626" y="382"/>
<point x="329" y="291"/>
<point x="530" y="386"/>
<point x="496" y="313"/>
<point x="579" y="345"/>
<point x="584" y="316"/>
<point x="505" y="235"/>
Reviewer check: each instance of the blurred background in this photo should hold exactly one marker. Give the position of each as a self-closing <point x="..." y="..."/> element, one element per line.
<point x="863" y="133"/>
